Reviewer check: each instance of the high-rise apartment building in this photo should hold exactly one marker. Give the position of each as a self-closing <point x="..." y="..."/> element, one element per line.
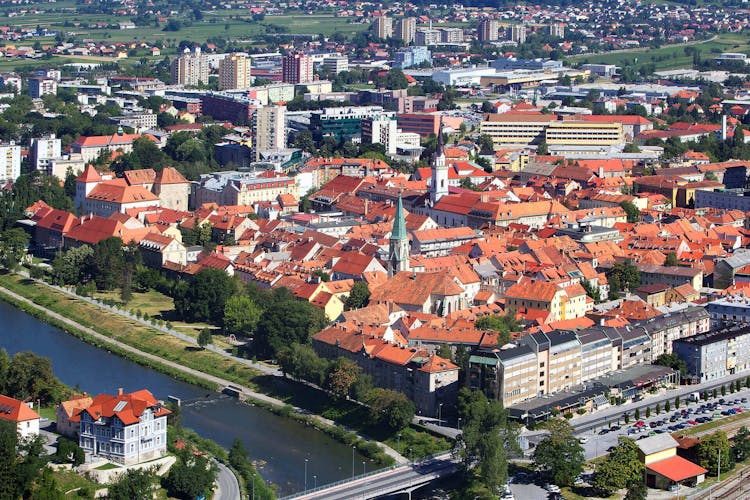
<point x="518" y="33"/>
<point x="406" y="29"/>
<point x="42" y="150"/>
<point x="383" y="26"/>
<point x="269" y="129"/>
<point x="10" y="162"/>
<point x="41" y="86"/>
<point x="234" y="72"/>
<point x="190" y="69"/>
<point x="488" y="30"/>
<point x="427" y="36"/>
<point x="297" y="68"/>
<point x="557" y="29"/>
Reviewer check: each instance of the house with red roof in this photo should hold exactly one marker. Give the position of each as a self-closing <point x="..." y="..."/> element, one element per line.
<point x="665" y="469"/>
<point x="19" y="413"/>
<point x="124" y="428"/>
<point x="91" y="147"/>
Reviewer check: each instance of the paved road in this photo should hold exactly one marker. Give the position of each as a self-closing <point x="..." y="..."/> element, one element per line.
<point x="227" y="486"/>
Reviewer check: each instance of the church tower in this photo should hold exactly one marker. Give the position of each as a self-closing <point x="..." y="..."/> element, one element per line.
<point x="439" y="187"/>
<point x="398" y="250"/>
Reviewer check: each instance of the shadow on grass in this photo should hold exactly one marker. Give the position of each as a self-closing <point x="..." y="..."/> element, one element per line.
<point x="192" y="348"/>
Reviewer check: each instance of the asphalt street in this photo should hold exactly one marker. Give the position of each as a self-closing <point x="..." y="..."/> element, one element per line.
<point x="227" y="487"/>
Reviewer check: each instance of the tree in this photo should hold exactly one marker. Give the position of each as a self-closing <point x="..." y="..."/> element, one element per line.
<point x="671" y="260"/>
<point x="358" y="296"/>
<point x="341" y="375"/>
<point x="637" y="414"/>
<point x="29" y="377"/>
<point x="241" y="315"/>
<point x="190" y="477"/>
<point x="677" y="402"/>
<point x="673" y="361"/>
<point x="658" y="408"/>
<point x="204" y="338"/>
<point x="106" y="263"/>
<point x="69" y="451"/>
<point x="621" y="468"/>
<point x="708" y="450"/>
<point x="485" y="437"/>
<point x="741" y="448"/>
<point x="13" y="244"/>
<point x="542" y="149"/>
<point x="723" y="390"/>
<point x="486" y="144"/>
<point x="559" y="456"/>
<point x="591" y="291"/>
<point x="205" y="298"/>
<point x="637" y="491"/>
<point x="390" y="408"/>
<point x="623" y="276"/>
<point x="135" y="483"/>
<point x="301" y="362"/>
<point x="504" y="324"/>
<point x="285" y="321"/>
<point x="69" y="267"/>
<point x="631" y="148"/>
<point x="667" y="406"/>
<point x="631" y="211"/>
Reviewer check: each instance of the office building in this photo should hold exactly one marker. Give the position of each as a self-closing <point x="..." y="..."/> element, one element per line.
<point x="518" y="33"/>
<point x="190" y="69"/>
<point x="574" y="132"/>
<point x="221" y="106"/>
<point x="406" y="29"/>
<point x="234" y="72"/>
<point x="412" y="56"/>
<point x="488" y="30"/>
<point x="297" y="68"/>
<point x="335" y="64"/>
<point x="343" y="123"/>
<point x="41" y="86"/>
<point x="383" y="27"/>
<point x="269" y="129"/>
<point x="42" y="150"/>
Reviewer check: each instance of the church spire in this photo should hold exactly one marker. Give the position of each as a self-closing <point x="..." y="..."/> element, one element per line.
<point x="398" y="250"/>
<point x="439" y="187"/>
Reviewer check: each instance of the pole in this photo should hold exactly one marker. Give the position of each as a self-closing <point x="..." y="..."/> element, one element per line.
<point x="352" y="462"/>
<point x="364" y="468"/>
<point x="440" y="415"/>
<point x="459" y="423"/>
<point x="305" y="474"/>
<point x="718" y="469"/>
<point x="253" y="486"/>
<point x="399" y="443"/>
<point x="315" y="479"/>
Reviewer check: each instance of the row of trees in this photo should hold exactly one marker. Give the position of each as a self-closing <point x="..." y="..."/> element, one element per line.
<point x="343" y="378"/>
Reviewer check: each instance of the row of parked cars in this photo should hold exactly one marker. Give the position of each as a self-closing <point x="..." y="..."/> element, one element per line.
<point x="688" y="417"/>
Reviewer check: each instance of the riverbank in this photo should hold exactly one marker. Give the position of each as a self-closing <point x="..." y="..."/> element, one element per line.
<point x="176" y="358"/>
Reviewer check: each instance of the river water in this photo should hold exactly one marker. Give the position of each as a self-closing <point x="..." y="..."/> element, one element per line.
<point x="279" y="445"/>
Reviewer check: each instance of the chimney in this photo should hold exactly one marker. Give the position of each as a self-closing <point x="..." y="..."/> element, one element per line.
<point x="119" y="391"/>
<point x="367" y="207"/>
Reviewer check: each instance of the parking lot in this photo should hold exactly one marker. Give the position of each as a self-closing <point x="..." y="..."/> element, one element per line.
<point x="598" y="442"/>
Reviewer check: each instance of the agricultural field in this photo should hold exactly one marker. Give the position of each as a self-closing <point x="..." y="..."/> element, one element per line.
<point x="671" y="57"/>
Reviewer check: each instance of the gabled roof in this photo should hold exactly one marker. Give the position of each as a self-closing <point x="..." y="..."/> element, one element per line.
<point x="127" y="407"/>
<point x="15" y="410"/>
<point x="676" y="468"/>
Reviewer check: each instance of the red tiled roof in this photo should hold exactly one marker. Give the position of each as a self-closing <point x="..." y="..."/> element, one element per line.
<point x="19" y="412"/>
<point x="676" y="468"/>
<point x="130" y="412"/>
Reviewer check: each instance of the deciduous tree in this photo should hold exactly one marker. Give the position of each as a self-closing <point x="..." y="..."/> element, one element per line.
<point x="709" y="449"/>
<point x="341" y="375"/>
<point x="559" y="456"/>
<point x="390" y="408"/>
<point x="241" y="315"/>
<point x="621" y="468"/>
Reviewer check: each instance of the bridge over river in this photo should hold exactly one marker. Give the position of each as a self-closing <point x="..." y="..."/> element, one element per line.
<point x="393" y="480"/>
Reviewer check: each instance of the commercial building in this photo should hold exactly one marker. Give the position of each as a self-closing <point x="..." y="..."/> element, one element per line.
<point x="335" y="64"/>
<point x="221" y="106"/>
<point x="412" y="56"/>
<point x="10" y="162"/>
<point x="727" y="199"/>
<point x="517" y="129"/>
<point x="269" y="129"/>
<point x="42" y="150"/>
<point x="424" y="124"/>
<point x="383" y="27"/>
<point x="234" y="72"/>
<point x="574" y="132"/>
<point x="488" y="30"/>
<point x="406" y="29"/>
<point x="342" y="123"/>
<point x="717" y="354"/>
<point x="512" y="64"/>
<point x="297" y="68"/>
<point x="190" y="69"/>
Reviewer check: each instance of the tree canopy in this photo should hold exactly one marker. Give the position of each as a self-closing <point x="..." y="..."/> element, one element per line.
<point x="620" y="469"/>
<point x="559" y="456"/>
<point x="206" y="297"/>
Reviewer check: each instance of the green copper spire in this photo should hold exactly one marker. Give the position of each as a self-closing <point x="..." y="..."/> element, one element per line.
<point x="399" y="225"/>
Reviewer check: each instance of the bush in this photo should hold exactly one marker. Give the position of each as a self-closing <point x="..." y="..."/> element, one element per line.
<point x="581" y="411"/>
<point x="568" y="415"/>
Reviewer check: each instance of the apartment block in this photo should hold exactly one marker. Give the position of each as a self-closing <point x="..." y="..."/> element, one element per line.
<point x="336" y="64"/>
<point x="42" y="150"/>
<point x="406" y="29"/>
<point x="383" y="27"/>
<point x="190" y="69"/>
<point x="717" y="354"/>
<point x="297" y="68"/>
<point x="488" y="30"/>
<point x="234" y="72"/>
<point x="10" y="162"/>
<point x="269" y="129"/>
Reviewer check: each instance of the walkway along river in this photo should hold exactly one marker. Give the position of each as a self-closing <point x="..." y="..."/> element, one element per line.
<point x="279" y="445"/>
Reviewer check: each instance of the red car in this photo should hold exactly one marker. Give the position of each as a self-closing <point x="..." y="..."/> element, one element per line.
<point x="692" y="422"/>
<point x="640" y="423"/>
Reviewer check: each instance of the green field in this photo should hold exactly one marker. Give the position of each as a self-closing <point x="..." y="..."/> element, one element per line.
<point x="671" y="57"/>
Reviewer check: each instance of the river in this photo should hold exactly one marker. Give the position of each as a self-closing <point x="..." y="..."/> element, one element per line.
<point x="279" y="445"/>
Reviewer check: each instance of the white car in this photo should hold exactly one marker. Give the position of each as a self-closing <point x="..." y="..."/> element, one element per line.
<point x="552" y="488"/>
<point x="583" y="439"/>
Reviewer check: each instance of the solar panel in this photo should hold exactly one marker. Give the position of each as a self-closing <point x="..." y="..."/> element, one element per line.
<point x="120" y="405"/>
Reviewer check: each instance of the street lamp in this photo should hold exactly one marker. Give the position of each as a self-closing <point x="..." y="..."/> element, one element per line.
<point x="315" y="479"/>
<point x="440" y="414"/>
<point x="352" y="462"/>
<point x="305" y="474"/>
<point x="399" y="443"/>
<point x="364" y="468"/>
<point x="459" y="423"/>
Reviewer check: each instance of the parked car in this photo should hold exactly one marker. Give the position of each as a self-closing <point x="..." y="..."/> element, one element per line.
<point x="583" y="439"/>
